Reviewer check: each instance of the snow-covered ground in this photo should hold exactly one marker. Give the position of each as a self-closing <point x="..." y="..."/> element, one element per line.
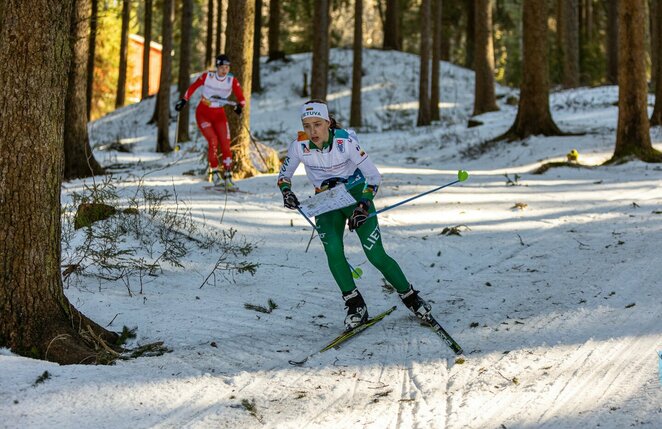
<point x="558" y="304"/>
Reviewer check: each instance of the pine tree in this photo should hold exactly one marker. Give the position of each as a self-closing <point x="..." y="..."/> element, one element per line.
<point x="656" y="117"/>
<point x="219" y="27"/>
<point x="184" y="68"/>
<point x="320" y="68"/>
<point x="392" y="26"/>
<point x="257" y="44"/>
<point x="124" y="48"/>
<point x="79" y="160"/>
<point x="612" y="41"/>
<point x="632" y="133"/>
<point x="424" y="77"/>
<point x="210" y="33"/>
<point x="163" y="101"/>
<point x="355" y="110"/>
<point x="239" y="48"/>
<point x="470" y="31"/>
<point x="533" y="114"/>
<point x="436" y="60"/>
<point x="94" y="13"/>
<point x="654" y="38"/>
<point x="485" y="99"/>
<point x="144" y="91"/>
<point x="569" y="37"/>
<point x="274" y="30"/>
<point x="36" y="318"/>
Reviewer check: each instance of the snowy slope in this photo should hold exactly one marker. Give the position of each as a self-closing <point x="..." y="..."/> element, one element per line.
<point x="540" y="298"/>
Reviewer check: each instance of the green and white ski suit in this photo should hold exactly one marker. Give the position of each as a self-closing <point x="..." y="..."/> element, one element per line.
<point x="342" y="158"/>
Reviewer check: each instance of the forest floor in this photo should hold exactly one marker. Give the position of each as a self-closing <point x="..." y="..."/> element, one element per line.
<point x="552" y="287"/>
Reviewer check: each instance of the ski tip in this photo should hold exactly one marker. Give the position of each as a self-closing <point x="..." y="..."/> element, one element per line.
<point x="460" y="359"/>
<point x="462" y="175"/>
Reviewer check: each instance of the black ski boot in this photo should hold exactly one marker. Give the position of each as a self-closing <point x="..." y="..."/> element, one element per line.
<point x="415" y="303"/>
<point x="357" y="311"/>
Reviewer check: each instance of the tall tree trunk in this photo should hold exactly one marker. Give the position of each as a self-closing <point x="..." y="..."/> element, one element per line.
<point x="392" y="26"/>
<point x="569" y="29"/>
<point x="184" y="68"/>
<point x="36" y="319"/>
<point x="653" y="7"/>
<point x="219" y="26"/>
<point x="163" y="117"/>
<point x="612" y="41"/>
<point x="533" y="114"/>
<point x="588" y="19"/>
<point x="436" y="60"/>
<point x="210" y="33"/>
<point x="79" y="160"/>
<point x="144" y="92"/>
<point x="355" y="110"/>
<point x="320" y="69"/>
<point x="239" y="48"/>
<point x="632" y="133"/>
<point x="94" y="13"/>
<point x="257" y="44"/>
<point x="470" y="7"/>
<point x="485" y="98"/>
<point x="274" y="29"/>
<point x="424" y="78"/>
<point x="656" y="117"/>
<point x="124" y="49"/>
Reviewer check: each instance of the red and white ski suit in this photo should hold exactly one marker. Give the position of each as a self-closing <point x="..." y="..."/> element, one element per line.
<point x="210" y="114"/>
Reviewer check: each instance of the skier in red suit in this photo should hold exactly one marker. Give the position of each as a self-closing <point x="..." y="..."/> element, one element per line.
<point x="216" y="88"/>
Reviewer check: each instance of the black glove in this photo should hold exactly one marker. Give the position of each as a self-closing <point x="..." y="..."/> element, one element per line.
<point x="238" y="109"/>
<point x="290" y="200"/>
<point x="180" y="104"/>
<point x="360" y="215"/>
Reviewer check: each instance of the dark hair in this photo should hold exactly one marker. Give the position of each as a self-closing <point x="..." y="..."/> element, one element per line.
<point x="222" y="60"/>
<point x="334" y="123"/>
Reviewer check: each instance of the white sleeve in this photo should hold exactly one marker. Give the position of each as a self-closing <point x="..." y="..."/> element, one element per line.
<point x="290" y="164"/>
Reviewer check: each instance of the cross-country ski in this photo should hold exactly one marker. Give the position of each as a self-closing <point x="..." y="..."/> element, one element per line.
<point x="325" y="214"/>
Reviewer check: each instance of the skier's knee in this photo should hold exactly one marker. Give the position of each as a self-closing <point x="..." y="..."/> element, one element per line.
<point x="334" y="249"/>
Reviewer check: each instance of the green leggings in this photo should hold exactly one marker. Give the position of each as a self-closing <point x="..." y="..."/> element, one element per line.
<point x="331" y="227"/>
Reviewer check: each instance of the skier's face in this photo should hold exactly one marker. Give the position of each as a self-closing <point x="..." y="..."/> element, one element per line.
<point x="317" y="130"/>
<point x="223" y="70"/>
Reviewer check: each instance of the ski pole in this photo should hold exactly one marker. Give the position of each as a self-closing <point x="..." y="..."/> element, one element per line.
<point x="225" y="101"/>
<point x="462" y="175"/>
<point x="356" y="272"/>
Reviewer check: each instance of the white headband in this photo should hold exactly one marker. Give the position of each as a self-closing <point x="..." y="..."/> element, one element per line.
<point x="316" y="110"/>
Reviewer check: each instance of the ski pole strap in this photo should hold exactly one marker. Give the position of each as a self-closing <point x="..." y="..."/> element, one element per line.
<point x="412" y="198"/>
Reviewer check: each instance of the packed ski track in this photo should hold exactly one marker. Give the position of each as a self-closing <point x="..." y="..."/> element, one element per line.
<point x="552" y="287"/>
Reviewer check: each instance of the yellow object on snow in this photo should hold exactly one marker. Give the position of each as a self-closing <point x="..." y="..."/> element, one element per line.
<point x="573" y="155"/>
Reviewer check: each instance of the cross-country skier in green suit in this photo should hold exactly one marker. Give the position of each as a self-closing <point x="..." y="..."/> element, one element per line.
<point x="332" y="156"/>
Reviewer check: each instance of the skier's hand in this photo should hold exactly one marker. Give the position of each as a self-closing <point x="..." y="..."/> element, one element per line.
<point x="180" y="104"/>
<point x="238" y="109"/>
<point x="290" y="200"/>
<point x="360" y="215"/>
